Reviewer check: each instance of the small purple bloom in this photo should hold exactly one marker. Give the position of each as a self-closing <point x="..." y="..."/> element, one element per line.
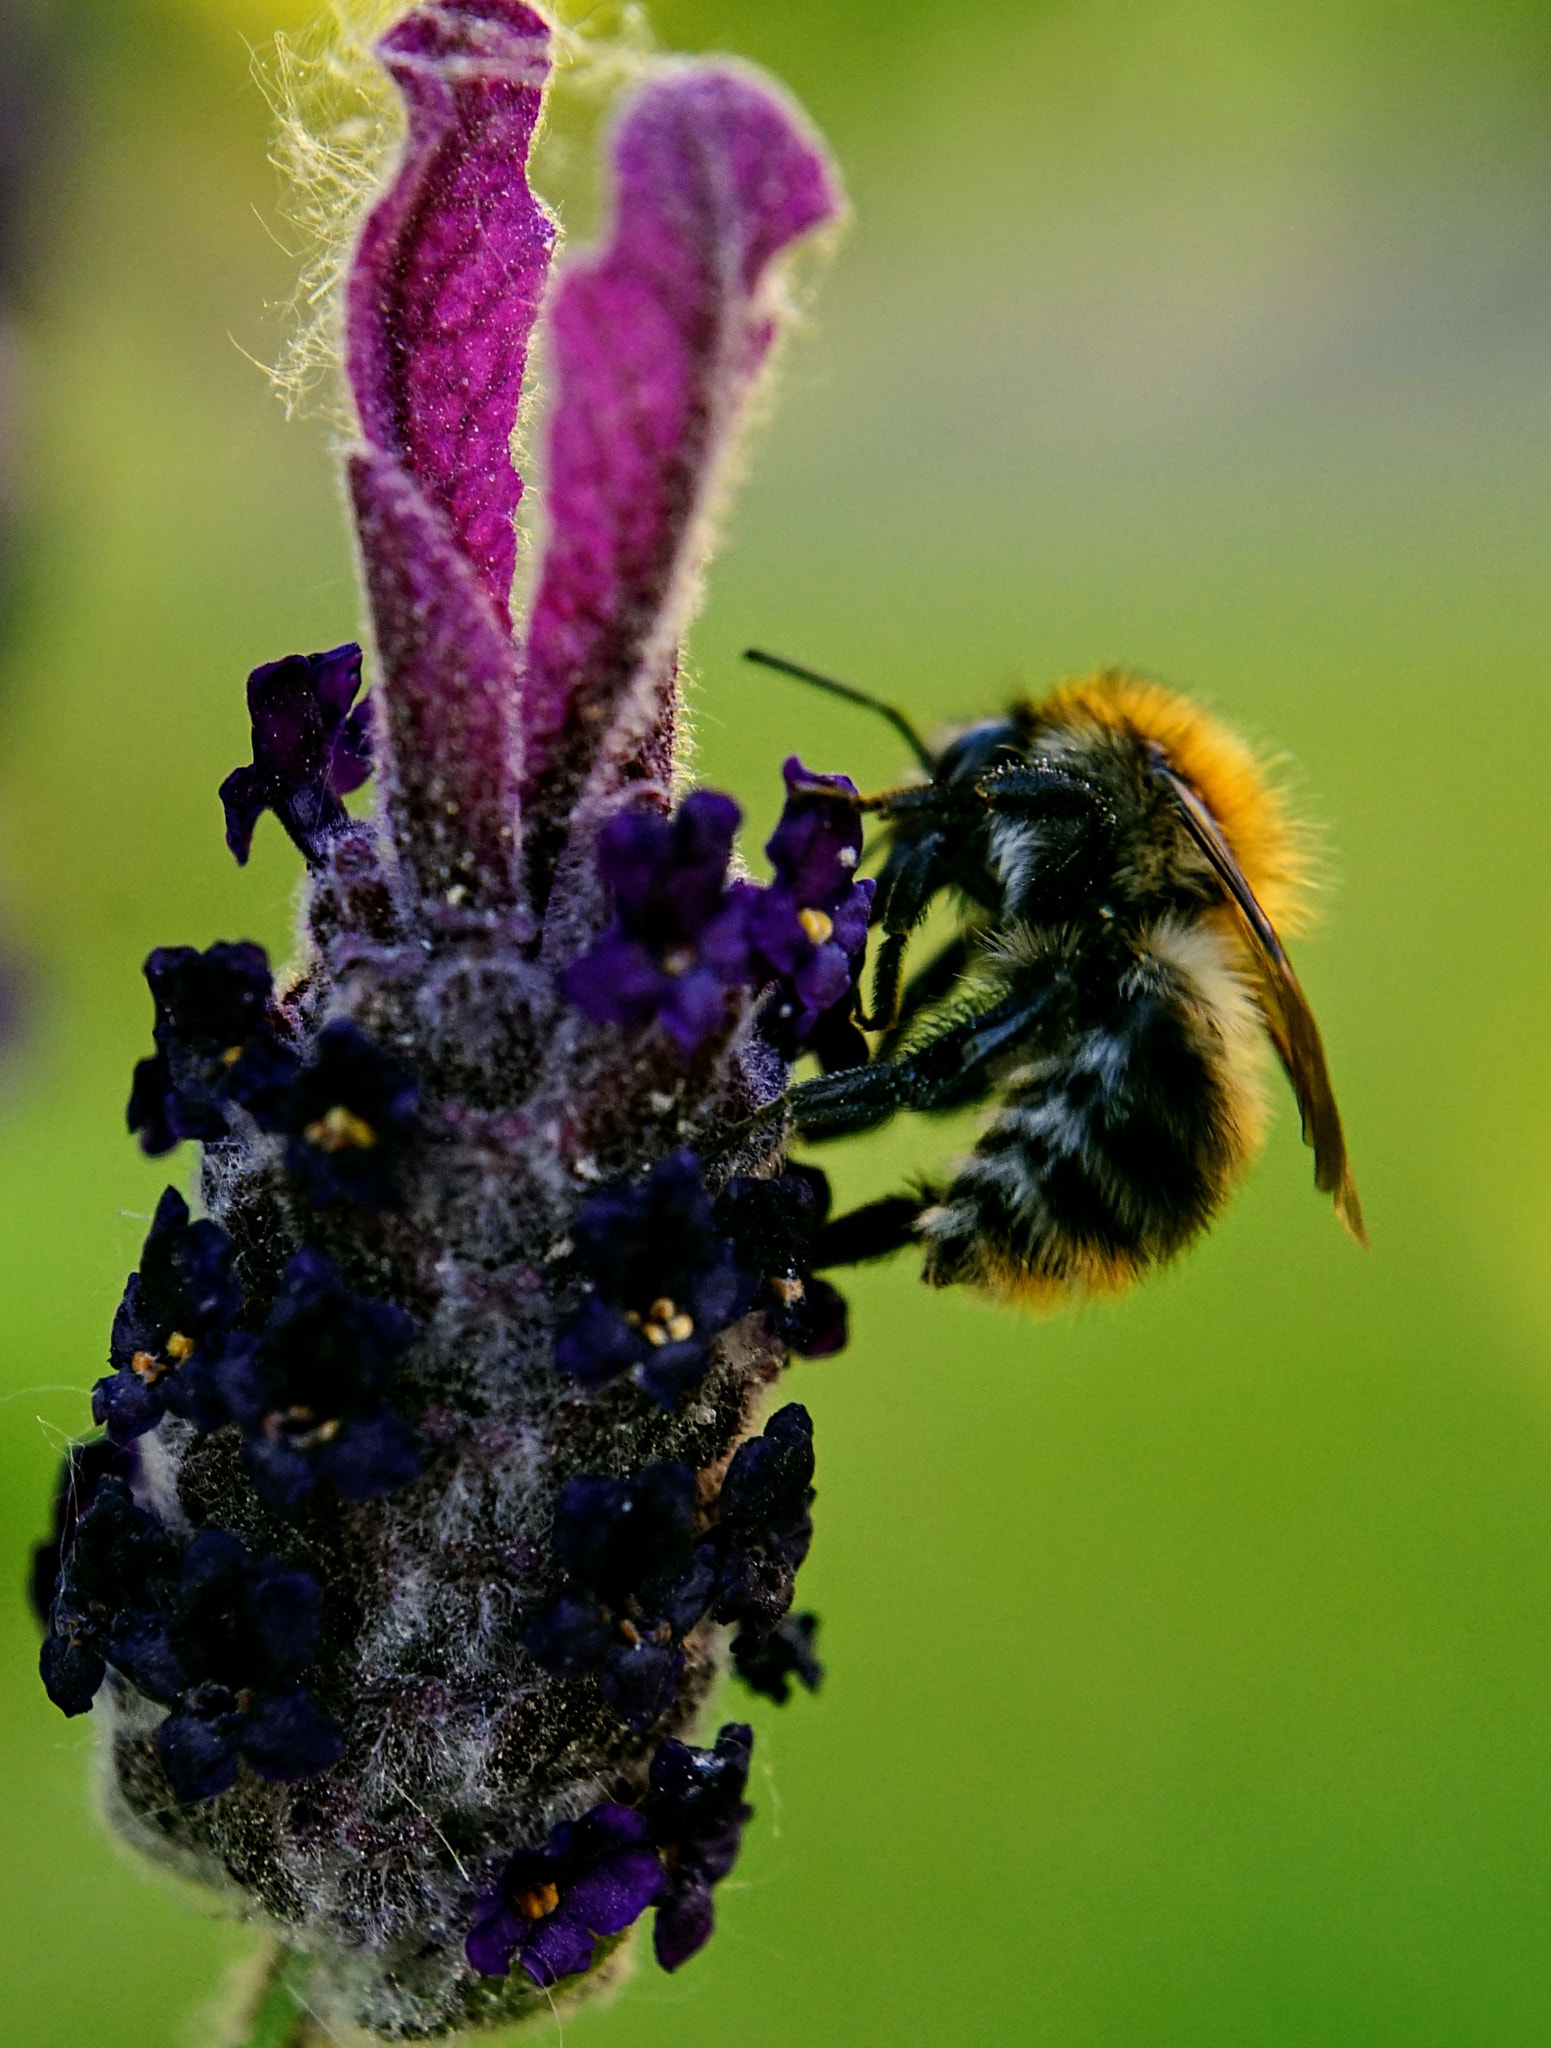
<point x="594" y="1877"/>
<point x="216" y="1044"/>
<point x="619" y="1537"/>
<point x="171" y="1327"/>
<point x="84" y="1467"/>
<point x="637" y="1583"/>
<point x="809" y="928"/>
<point x="225" y="1653"/>
<point x="765" y="1526"/>
<point x="117" y="1573"/>
<point x="773" y="1224"/>
<point x="349" y="1113"/>
<point x="308" y="1391"/>
<point x="572" y="1636"/>
<point x="677" y="943"/>
<point x="696" y="1813"/>
<point x="309" y="750"/>
<point x="768" y="1663"/>
<point x="665" y="1280"/>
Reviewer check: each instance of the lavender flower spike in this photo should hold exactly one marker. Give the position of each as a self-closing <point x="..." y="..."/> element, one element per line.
<point x="443" y="1496"/>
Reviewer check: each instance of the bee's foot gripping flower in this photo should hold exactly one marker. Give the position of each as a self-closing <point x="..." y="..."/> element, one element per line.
<point x="429" y="1503"/>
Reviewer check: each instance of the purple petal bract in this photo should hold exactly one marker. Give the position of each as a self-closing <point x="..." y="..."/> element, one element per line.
<point x="450" y="269"/>
<point x="656" y="341"/>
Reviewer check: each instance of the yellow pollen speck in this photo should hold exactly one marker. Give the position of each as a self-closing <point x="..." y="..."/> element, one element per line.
<point x="664" y="1323"/>
<point x="538" y="1902"/>
<point x="145" y="1365"/>
<point x="788" y="1289"/>
<point x="630" y="1632"/>
<point x="292" y="1421"/>
<point x="818" y="924"/>
<point x="340" y="1131"/>
<point x="679" y="961"/>
<point x="231" y="1056"/>
<point x="179" y="1347"/>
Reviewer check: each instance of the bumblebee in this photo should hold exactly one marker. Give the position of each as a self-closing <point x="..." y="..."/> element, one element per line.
<point x="1121" y="867"/>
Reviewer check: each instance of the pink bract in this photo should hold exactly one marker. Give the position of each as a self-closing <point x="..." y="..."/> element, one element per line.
<point x="655" y="340"/>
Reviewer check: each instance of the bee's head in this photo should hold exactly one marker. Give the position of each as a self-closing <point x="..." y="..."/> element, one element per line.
<point x="1114" y="730"/>
<point x="993" y="743"/>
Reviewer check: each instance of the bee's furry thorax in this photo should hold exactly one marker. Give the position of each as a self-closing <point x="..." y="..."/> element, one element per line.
<point x="1106" y="726"/>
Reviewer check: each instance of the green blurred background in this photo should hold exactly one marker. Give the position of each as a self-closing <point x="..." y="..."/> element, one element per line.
<point x="1189" y="1659"/>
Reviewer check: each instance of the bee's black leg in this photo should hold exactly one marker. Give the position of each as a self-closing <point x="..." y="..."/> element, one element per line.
<point x="930" y="985"/>
<point x="871" y="1232"/>
<point x="951" y="1071"/>
<point x="1036" y="786"/>
<point x="853" y="1099"/>
<point x="885" y="983"/>
<point x="911" y="877"/>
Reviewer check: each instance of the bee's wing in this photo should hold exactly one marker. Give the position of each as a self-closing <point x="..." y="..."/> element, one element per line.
<point x="1289" y="1019"/>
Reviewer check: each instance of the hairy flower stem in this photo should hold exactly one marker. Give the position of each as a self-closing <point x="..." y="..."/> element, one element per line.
<point x="272" y="2013"/>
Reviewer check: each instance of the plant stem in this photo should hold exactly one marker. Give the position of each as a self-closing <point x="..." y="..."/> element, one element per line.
<point x="272" y="2013"/>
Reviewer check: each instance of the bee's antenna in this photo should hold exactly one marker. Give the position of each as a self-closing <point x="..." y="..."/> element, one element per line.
<point x="897" y="719"/>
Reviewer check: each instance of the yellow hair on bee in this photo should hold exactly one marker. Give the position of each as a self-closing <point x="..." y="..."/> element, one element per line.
<point x="1230" y="781"/>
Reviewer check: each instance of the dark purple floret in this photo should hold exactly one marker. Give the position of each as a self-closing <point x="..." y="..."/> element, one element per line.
<point x="618" y="1536"/>
<point x="308" y="1392"/>
<point x="696" y="1814"/>
<point x="809" y="928"/>
<point x="640" y="1676"/>
<point x="768" y="1663"/>
<point x="665" y="1280"/>
<point x="309" y="750"/>
<point x="349" y="1114"/>
<point x="225" y="1654"/>
<point x="637" y="1584"/>
<point x="640" y="1576"/>
<point x="120" y="1568"/>
<point x="773" y="1224"/>
<point x="572" y="1636"/>
<point x="765" y="1524"/>
<point x="678" y="942"/>
<point x="82" y="1471"/>
<point x="171" y="1329"/>
<point x="594" y="1877"/>
<point x="215" y="1044"/>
